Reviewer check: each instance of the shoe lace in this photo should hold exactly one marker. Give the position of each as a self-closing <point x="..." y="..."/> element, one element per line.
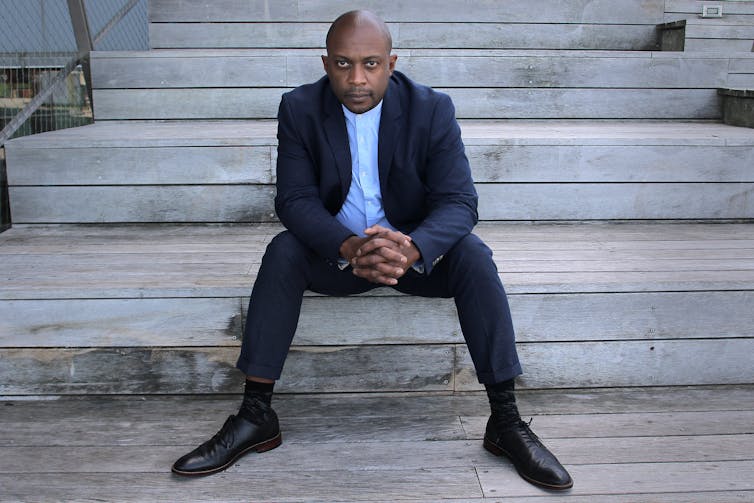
<point x="526" y="427"/>
<point x="223" y="437"/>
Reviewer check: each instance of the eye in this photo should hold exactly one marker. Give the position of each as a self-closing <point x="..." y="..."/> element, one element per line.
<point x="371" y="64"/>
<point x="341" y="63"/>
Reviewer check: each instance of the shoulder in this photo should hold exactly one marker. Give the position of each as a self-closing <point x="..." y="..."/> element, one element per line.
<point x="419" y="98"/>
<point x="307" y="94"/>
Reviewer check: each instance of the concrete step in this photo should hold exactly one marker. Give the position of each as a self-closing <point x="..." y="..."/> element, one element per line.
<point x="159" y="309"/>
<point x="524" y="170"/>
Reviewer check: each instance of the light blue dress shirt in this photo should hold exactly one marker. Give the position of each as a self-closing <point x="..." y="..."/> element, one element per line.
<point x="363" y="205"/>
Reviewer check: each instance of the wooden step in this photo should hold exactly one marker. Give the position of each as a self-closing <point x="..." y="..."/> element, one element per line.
<point x="159" y="309"/>
<point x="437" y="68"/>
<point x="663" y="445"/>
<point x="478" y="103"/>
<point x="409" y="35"/>
<point x="224" y="171"/>
<point x="605" y="24"/>
<point x="708" y="35"/>
<point x="483" y="84"/>
<point x="325" y="11"/>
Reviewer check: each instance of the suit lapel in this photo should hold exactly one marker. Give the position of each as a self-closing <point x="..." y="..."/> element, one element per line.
<point x="390" y="130"/>
<point x="334" y="124"/>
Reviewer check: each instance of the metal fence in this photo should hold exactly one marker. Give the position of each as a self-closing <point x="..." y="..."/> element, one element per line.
<point x="38" y="42"/>
<point x="44" y="51"/>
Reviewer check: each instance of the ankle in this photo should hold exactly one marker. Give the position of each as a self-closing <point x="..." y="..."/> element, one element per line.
<point x="257" y="401"/>
<point x="502" y="400"/>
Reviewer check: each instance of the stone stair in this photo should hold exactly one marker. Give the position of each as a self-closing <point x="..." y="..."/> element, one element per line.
<point x="618" y="205"/>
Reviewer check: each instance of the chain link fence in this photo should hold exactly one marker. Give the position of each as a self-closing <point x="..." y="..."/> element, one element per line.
<point x="43" y="66"/>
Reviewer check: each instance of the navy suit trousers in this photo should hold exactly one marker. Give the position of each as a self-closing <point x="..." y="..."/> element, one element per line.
<point x="467" y="273"/>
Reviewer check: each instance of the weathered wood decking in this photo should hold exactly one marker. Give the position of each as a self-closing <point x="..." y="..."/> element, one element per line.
<point x="620" y="445"/>
<point x="159" y="309"/>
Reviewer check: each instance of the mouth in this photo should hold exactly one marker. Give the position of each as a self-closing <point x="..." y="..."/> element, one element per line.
<point x="358" y="96"/>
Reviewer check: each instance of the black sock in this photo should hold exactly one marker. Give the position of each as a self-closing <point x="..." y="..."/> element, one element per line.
<point x="257" y="398"/>
<point x="502" y="399"/>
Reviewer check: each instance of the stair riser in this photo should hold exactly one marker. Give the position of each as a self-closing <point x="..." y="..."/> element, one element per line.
<point x="489" y="164"/>
<point x="409" y="36"/>
<point x="254" y="203"/>
<point x="384" y="368"/>
<point x="479" y="70"/>
<point x="511" y="11"/>
<point x="690" y="104"/>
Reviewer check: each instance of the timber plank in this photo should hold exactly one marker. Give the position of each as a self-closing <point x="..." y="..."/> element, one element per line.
<point x="515" y="11"/>
<point x="624" y="363"/>
<point x="489" y="163"/>
<point x="525" y="69"/>
<point x="145" y="203"/>
<point x="508" y="202"/>
<point x="212" y="369"/>
<point x="343" y="455"/>
<point x="147" y="166"/>
<point x="694" y="7"/>
<point x="218" y="322"/>
<point x="481" y="103"/>
<point x="281" y="486"/>
<point x="646" y="400"/>
<point x="440" y="426"/>
<point x="632" y="478"/>
<point x="614" y="201"/>
<point x="366" y="368"/>
<point x="475" y="132"/>
<point x="471" y="35"/>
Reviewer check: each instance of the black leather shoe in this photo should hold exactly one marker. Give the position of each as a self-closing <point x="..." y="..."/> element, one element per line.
<point x="237" y="437"/>
<point x="530" y="457"/>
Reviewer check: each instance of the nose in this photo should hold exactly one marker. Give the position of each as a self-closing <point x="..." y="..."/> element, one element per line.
<point x="357" y="76"/>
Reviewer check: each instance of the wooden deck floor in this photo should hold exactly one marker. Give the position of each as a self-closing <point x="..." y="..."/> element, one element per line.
<point x="621" y="445"/>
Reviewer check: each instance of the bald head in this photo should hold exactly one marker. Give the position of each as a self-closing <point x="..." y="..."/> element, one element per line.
<point x="358" y="20"/>
<point x="358" y="61"/>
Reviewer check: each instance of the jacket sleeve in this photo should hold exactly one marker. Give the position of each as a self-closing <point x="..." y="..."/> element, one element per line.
<point x="298" y="203"/>
<point x="451" y="199"/>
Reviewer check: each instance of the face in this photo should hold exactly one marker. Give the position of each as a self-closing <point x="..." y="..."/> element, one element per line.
<point x="359" y="66"/>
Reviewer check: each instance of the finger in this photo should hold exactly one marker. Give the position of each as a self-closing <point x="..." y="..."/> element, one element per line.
<point x="374" y="244"/>
<point x="374" y="276"/>
<point x="386" y="249"/>
<point x="396" y="236"/>
<point x="381" y="254"/>
<point x="384" y="269"/>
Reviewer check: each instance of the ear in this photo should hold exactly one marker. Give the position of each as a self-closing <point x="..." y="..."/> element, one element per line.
<point x="324" y="63"/>
<point x="391" y="62"/>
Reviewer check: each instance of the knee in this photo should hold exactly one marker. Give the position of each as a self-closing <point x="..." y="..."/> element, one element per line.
<point x="285" y="248"/>
<point x="471" y="254"/>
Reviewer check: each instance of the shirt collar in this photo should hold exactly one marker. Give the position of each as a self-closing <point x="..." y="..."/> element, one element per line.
<point x="371" y="115"/>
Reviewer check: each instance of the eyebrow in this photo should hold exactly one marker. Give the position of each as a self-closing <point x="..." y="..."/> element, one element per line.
<point x="374" y="56"/>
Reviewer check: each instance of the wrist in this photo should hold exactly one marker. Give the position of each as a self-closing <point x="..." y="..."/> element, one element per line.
<point x="349" y="246"/>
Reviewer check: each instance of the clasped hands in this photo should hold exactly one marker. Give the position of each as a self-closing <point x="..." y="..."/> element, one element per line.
<point x="382" y="256"/>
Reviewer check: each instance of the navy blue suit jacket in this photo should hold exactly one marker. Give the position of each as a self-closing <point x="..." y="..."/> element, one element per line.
<point x="427" y="190"/>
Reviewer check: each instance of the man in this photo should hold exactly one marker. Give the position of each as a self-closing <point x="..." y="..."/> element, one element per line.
<point x="374" y="188"/>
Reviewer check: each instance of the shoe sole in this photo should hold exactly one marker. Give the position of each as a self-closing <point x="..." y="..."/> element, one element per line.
<point x="499" y="451"/>
<point x="266" y="445"/>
